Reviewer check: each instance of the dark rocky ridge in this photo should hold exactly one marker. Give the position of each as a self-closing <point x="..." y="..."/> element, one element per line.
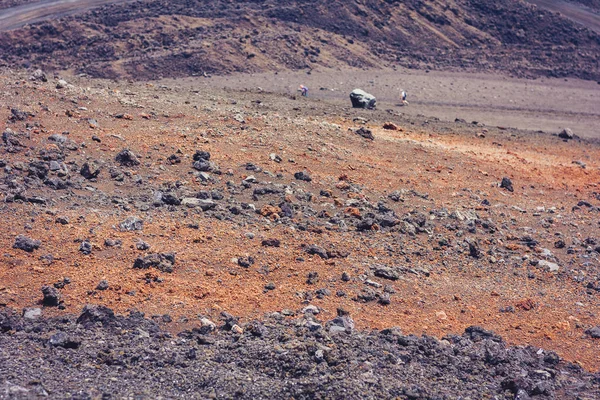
<point x="298" y="357"/>
<point x="217" y="37"/>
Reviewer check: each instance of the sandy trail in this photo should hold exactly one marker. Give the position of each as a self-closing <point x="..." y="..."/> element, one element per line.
<point x="16" y="17"/>
<point x="543" y="104"/>
<point x="574" y="12"/>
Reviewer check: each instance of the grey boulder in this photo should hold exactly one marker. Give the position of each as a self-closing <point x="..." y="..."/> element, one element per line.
<point x="362" y="99"/>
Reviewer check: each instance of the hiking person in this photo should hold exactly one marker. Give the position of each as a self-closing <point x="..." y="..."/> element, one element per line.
<point x="304" y="90"/>
<point x="403" y="95"/>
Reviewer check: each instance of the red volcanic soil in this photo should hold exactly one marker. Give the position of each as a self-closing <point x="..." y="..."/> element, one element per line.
<point x="415" y="217"/>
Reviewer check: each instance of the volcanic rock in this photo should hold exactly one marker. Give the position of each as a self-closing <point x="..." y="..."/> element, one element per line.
<point x="302" y="176"/>
<point x="566" y="134"/>
<point x="92" y="314"/>
<point x="507" y="184"/>
<point x="90" y="170"/>
<point x="131" y="224"/>
<point x="162" y="261"/>
<point x="127" y="159"/>
<point x="364" y="132"/>
<point x="362" y="99"/>
<point x="26" y="244"/>
<point x="51" y="296"/>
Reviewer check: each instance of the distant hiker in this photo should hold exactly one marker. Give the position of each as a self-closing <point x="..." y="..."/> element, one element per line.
<point x="304" y="90"/>
<point x="403" y="95"/>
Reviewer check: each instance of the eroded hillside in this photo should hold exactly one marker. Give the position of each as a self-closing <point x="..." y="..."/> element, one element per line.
<point x="154" y="39"/>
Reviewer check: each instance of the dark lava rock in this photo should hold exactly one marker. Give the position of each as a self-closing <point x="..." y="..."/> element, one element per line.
<point x="203" y="165"/>
<point x="245" y="262"/>
<point x="170" y="199"/>
<point x="261" y="191"/>
<point x="566" y="134"/>
<point x="127" y="159"/>
<point x="36" y="200"/>
<point x="141" y="245"/>
<point x="313" y="249"/>
<point x="38" y="169"/>
<point x="217" y="195"/>
<point x="477" y="333"/>
<point x="252" y="167"/>
<point x="38" y="75"/>
<point x="26" y="244"/>
<point x="270" y="286"/>
<point x="594" y="332"/>
<point x="112" y="242"/>
<point x="387" y="273"/>
<point x="305" y="351"/>
<point x="90" y="170"/>
<point x="174" y="159"/>
<point x="313" y="277"/>
<point x="507" y="184"/>
<point x="18" y="115"/>
<point x="51" y="296"/>
<point x="474" y="250"/>
<point x="11" y="139"/>
<point x="529" y="241"/>
<point x="91" y="314"/>
<point x="361" y="99"/>
<point x="366" y="224"/>
<point x="229" y="320"/>
<point x="286" y="210"/>
<point x="201" y="155"/>
<point x="102" y="285"/>
<point x="85" y="247"/>
<point x="384" y="299"/>
<point x="366" y="295"/>
<point x="62" y="220"/>
<point x="203" y="195"/>
<point x="271" y="242"/>
<point x="56" y="138"/>
<point x="303" y="176"/>
<point x="364" y="132"/>
<point x="131" y="224"/>
<point x="61" y="339"/>
<point x="162" y="261"/>
<point x="57" y="183"/>
<point x="388" y="221"/>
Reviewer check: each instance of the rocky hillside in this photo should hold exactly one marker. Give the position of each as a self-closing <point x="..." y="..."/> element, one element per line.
<point x="145" y="40"/>
<point x="275" y="241"/>
<point x="593" y="4"/>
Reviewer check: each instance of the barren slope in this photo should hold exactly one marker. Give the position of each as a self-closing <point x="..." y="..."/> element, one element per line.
<point x="414" y="218"/>
<point x="175" y="38"/>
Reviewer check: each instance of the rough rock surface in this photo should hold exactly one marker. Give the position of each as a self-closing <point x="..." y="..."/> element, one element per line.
<point x="361" y="99"/>
<point x="99" y="354"/>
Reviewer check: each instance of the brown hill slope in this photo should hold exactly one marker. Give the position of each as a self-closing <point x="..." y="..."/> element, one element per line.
<point x="180" y="38"/>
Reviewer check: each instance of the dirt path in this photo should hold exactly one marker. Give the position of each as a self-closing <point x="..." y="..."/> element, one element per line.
<point x="15" y="17"/>
<point x="543" y="104"/>
<point x="574" y="12"/>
